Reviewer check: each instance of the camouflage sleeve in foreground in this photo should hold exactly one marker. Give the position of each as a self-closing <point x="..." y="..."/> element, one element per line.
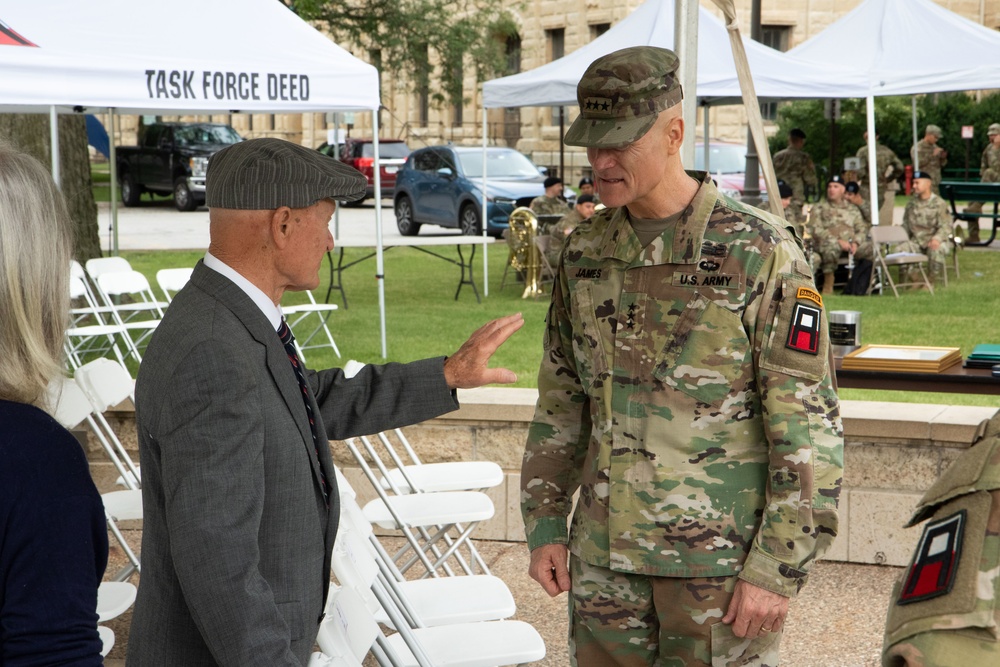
<point x="700" y="424"/>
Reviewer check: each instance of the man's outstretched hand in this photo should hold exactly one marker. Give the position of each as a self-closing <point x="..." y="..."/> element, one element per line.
<point x="469" y="366"/>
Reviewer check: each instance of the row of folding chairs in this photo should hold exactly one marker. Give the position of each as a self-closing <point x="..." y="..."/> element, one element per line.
<point x="82" y="400"/>
<point x="459" y="621"/>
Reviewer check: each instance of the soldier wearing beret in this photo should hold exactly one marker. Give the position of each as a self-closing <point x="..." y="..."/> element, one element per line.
<point x="551" y="203"/>
<point x="945" y="608"/>
<point x="586" y="187"/>
<point x="927" y="220"/>
<point x="686" y="392"/>
<point x="989" y="172"/>
<point x="931" y="157"/>
<point x="837" y="230"/>
<point x="238" y="488"/>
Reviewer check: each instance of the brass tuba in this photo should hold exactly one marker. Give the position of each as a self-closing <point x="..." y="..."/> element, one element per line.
<point x="523" y="251"/>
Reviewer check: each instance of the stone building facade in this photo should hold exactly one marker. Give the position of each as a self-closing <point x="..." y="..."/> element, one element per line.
<point x="547" y="30"/>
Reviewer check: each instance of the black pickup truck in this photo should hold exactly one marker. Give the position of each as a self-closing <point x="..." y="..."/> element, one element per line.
<point x="172" y="158"/>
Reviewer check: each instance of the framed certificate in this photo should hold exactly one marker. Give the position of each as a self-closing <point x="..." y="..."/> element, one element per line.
<point x="915" y="359"/>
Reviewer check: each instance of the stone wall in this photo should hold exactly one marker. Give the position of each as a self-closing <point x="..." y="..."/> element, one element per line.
<point x="893" y="453"/>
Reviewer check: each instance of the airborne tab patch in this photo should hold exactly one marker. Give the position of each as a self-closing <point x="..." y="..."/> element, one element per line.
<point x="811" y="294"/>
<point x="935" y="562"/>
<point x="803" y="334"/>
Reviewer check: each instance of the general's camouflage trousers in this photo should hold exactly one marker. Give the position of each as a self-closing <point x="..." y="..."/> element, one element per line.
<point x="631" y="620"/>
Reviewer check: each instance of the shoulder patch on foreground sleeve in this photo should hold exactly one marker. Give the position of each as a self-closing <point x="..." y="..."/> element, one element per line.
<point x="798" y="340"/>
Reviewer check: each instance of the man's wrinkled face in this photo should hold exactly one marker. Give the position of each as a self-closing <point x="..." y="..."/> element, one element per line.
<point x="630" y="174"/>
<point x="310" y="241"/>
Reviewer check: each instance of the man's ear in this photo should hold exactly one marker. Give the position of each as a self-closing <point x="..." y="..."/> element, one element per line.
<point x="281" y="226"/>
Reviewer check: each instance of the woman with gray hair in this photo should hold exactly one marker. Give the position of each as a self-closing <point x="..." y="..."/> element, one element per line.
<point x="53" y="540"/>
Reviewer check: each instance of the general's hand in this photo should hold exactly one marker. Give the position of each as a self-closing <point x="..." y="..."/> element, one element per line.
<point x="548" y="568"/>
<point x="468" y="367"/>
<point x="755" y="611"/>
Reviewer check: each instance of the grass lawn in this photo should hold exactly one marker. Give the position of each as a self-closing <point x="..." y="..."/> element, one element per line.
<point x="423" y="319"/>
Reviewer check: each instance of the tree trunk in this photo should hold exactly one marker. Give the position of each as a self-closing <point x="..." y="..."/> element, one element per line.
<point x="31" y="134"/>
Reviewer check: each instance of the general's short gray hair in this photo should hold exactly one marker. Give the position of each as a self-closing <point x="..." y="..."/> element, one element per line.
<point x="36" y="245"/>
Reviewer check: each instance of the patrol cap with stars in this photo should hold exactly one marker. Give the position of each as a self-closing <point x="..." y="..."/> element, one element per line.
<point x="621" y="94"/>
<point x="265" y="174"/>
<point x="994" y="129"/>
<point x="921" y="174"/>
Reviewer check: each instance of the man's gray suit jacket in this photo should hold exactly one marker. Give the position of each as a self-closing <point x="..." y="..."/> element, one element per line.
<point x="237" y="536"/>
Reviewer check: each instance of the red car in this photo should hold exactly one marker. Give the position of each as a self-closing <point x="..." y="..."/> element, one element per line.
<point x="727" y="165"/>
<point x="360" y="154"/>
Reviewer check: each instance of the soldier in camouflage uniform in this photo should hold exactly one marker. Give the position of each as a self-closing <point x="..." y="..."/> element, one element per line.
<point x="837" y="230"/>
<point x="928" y="157"/>
<point x="551" y="203"/>
<point x="685" y="391"/>
<point x="558" y="232"/>
<point x="945" y="609"/>
<point x="852" y="193"/>
<point x="989" y="171"/>
<point x="927" y="219"/>
<point x="888" y="167"/>
<point x="586" y="187"/>
<point x="794" y="166"/>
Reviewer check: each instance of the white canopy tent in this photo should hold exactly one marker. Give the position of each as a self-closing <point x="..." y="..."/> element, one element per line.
<point x="905" y="47"/>
<point x="185" y="57"/>
<point x="775" y="74"/>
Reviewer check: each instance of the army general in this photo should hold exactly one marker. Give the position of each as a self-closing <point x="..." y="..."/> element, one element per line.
<point x="685" y="391"/>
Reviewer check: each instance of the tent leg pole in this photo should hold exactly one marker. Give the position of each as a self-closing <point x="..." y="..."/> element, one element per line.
<point x="486" y="266"/>
<point x="113" y="177"/>
<point x="379" y="259"/>
<point x="54" y="140"/>
<point x="872" y="175"/>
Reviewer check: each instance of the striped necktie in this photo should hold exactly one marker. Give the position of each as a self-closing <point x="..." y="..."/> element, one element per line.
<point x="288" y="340"/>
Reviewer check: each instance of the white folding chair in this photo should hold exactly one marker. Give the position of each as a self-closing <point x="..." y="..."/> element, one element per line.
<point x="474" y="644"/>
<point x="425" y="602"/>
<point x="141" y="314"/>
<point x="409" y="475"/>
<point x="83" y="339"/>
<point x="71" y="407"/>
<point x="99" y="265"/>
<point x="891" y="235"/>
<point x="298" y="314"/>
<point x="106" y="384"/>
<point x="172" y="281"/>
<point x="113" y="599"/>
<point x="107" y="636"/>
<point x="435" y="525"/>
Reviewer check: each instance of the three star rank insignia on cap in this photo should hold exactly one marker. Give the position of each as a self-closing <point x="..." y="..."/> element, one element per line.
<point x="598" y="105"/>
<point x="804" y="332"/>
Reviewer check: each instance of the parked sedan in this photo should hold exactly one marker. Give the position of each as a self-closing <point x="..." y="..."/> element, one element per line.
<point x="441" y="185"/>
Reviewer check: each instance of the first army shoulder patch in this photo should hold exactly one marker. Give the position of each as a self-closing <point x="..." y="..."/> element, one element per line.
<point x="804" y="330"/>
<point x="935" y="561"/>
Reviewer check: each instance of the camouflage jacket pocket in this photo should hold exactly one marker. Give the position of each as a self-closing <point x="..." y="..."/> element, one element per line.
<point x="588" y="346"/>
<point x="706" y="353"/>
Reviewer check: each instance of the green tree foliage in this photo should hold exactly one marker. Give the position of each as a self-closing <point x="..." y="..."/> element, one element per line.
<point x="461" y="34"/>
<point x="893" y="122"/>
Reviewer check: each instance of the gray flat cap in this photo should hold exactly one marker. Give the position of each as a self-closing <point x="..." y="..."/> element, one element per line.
<point x="265" y="174"/>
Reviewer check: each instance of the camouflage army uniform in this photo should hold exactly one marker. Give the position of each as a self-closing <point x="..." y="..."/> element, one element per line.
<point x="545" y="205"/>
<point x="929" y="163"/>
<point x="796" y="168"/>
<point x="888" y="167"/>
<point x="685" y="390"/>
<point x="558" y="233"/>
<point x="926" y="219"/>
<point x="838" y="222"/>
<point x="989" y="170"/>
<point x="945" y="608"/>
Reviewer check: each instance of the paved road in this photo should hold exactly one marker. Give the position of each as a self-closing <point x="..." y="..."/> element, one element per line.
<point x="160" y="226"/>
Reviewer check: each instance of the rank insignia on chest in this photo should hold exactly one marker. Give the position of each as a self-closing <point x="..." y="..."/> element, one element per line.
<point x="803" y="334"/>
<point x="935" y="562"/>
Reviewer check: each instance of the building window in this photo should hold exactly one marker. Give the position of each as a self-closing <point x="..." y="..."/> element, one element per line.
<point x="555" y="41"/>
<point x="777" y="37"/>
<point x="598" y="29"/>
<point x="512" y="49"/>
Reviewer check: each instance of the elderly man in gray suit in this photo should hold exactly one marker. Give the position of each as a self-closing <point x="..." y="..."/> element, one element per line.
<point x="239" y="491"/>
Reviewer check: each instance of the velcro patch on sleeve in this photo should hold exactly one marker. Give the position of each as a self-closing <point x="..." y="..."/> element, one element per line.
<point x="935" y="563"/>
<point x="803" y="334"/>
